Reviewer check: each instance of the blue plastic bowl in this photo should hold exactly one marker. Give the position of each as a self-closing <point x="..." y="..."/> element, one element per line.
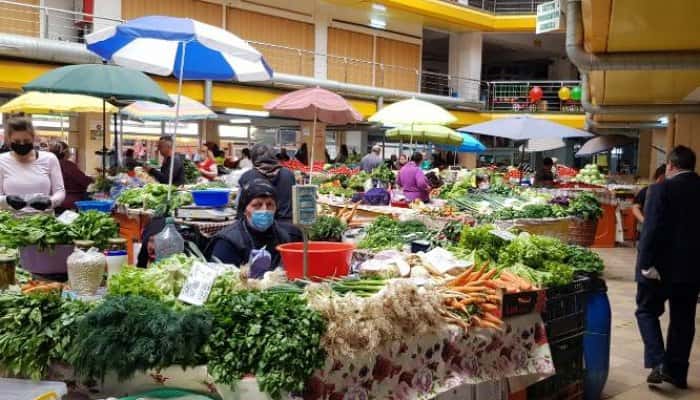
<point x="211" y="197"/>
<point x="97" y="205"/>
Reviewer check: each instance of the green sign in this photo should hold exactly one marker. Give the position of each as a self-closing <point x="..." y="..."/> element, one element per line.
<point x="548" y="17"/>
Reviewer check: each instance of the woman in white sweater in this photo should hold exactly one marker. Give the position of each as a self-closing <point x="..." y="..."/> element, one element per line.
<point x="29" y="179"/>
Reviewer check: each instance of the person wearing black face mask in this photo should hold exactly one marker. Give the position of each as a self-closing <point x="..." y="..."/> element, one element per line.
<point x="30" y="180"/>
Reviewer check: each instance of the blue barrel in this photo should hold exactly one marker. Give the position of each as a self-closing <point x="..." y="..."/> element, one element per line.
<point x="596" y="340"/>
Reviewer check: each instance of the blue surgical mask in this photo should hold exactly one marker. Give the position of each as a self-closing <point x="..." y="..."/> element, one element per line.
<point x="261" y="220"/>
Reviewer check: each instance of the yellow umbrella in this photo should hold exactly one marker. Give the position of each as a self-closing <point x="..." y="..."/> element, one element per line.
<point x="55" y="103"/>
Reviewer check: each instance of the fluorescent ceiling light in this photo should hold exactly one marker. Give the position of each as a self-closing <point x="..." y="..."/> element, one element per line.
<point x="249" y="113"/>
<point x="239" y="120"/>
<point x="663" y="120"/>
<point x="379" y="7"/>
<point x="379" y="23"/>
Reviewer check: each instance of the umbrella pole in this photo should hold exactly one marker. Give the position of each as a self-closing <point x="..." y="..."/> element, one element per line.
<point x="104" y="137"/>
<point x="177" y="120"/>
<point x="116" y="139"/>
<point x="313" y="144"/>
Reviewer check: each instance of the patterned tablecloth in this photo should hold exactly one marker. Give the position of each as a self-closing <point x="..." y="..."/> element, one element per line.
<point x="207" y="228"/>
<point x="450" y="365"/>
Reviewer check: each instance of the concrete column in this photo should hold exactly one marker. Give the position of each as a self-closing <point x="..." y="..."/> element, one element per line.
<point x="321" y="19"/>
<point x="210" y="132"/>
<point x="356" y="140"/>
<point x="467" y="160"/>
<point x="465" y="64"/>
<point x="90" y="140"/>
<point x="644" y="152"/>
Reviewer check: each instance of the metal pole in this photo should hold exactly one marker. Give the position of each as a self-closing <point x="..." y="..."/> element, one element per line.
<point x="177" y="120"/>
<point x="104" y="137"/>
<point x="313" y="145"/>
<point x="305" y="236"/>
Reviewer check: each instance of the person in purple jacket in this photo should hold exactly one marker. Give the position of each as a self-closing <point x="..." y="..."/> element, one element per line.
<point x="412" y="180"/>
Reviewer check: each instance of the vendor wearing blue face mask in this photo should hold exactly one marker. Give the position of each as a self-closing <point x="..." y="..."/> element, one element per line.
<point x="254" y="238"/>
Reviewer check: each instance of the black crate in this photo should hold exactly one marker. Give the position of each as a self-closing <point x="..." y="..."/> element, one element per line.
<point x="564" y="311"/>
<point x="572" y="391"/>
<point x="567" y="355"/>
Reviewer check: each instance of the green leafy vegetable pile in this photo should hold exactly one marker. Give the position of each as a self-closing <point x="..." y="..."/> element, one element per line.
<point x="126" y="334"/>
<point x="274" y="336"/>
<point x="357" y="181"/>
<point x="385" y="233"/>
<point x="191" y="171"/>
<point x="328" y="229"/>
<point x="582" y="259"/>
<point x="383" y="174"/>
<point x="153" y="196"/>
<point x="163" y="280"/>
<point x="479" y="238"/>
<point x="209" y="185"/>
<point x="96" y="226"/>
<point x="585" y="206"/>
<point x="27" y="337"/>
<point x="45" y="231"/>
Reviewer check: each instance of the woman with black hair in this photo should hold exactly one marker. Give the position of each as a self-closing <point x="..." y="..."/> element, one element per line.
<point x="254" y="237"/>
<point x="412" y="180"/>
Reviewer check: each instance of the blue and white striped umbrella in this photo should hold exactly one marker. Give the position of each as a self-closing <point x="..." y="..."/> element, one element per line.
<point x="158" y="44"/>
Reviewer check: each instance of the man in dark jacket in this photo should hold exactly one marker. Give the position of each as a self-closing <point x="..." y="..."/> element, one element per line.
<point x="668" y="268"/>
<point x="266" y="166"/>
<point x="165" y="147"/>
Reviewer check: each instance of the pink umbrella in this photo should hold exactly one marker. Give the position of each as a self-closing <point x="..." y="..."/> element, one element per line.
<point x="314" y="104"/>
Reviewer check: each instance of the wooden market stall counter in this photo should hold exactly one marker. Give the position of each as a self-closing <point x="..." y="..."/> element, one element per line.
<point x="131" y="223"/>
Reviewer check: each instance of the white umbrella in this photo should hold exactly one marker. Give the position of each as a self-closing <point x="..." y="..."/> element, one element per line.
<point x="544" y="144"/>
<point x="524" y="128"/>
<point x="182" y="47"/>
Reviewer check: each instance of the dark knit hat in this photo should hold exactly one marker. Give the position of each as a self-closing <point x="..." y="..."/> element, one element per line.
<point x="256" y="188"/>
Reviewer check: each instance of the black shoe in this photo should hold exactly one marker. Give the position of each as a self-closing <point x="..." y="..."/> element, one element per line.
<point x="656" y="377"/>
<point x="675" y="382"/>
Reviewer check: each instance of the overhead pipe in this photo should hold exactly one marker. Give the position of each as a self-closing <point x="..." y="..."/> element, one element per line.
<point x="48" y="50"/>
<point x="631" y="109"/>
<point x="586" y="62"/>
<point x="297" y="80"/>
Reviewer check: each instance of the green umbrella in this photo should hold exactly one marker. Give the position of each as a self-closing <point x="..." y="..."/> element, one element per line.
<point x="100" y="80"/>
<point x="425" y="133"/>
<point x="108" y="82"/>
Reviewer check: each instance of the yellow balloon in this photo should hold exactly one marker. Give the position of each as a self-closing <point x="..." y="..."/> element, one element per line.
<point x="564" y="93"/>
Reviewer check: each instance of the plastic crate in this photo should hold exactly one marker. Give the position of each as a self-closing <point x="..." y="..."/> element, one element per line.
<point x="572" y="391"/>
<point x="567" y="355"/>
<point x="564" y="311"/>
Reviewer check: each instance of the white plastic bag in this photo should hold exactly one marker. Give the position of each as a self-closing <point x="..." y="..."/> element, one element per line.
<point x="86" y="270"/>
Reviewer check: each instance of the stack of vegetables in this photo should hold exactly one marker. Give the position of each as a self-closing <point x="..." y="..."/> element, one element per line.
<point x="153" y="196"/>
<point x="543" y="260"/>
<point x="591" y="175"/>
<point x="46" y="231"/>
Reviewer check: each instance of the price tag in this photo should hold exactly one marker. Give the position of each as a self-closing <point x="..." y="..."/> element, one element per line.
<point x="505" y="235"/>
<point x="67" y="217"/>
<point x="198" y="285"/>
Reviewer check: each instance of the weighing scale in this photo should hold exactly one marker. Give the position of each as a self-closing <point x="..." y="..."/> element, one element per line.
<point x="304" y="214"/>
<point x="203" y="213"/>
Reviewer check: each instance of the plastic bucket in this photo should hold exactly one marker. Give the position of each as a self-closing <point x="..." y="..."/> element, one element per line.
<point x="326" y="259"/>
<point x="49" y="261"/>
<point x="97" y="205"/>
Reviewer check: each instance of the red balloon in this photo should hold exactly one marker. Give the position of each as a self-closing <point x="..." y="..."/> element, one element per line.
<point x="536" y="94"/>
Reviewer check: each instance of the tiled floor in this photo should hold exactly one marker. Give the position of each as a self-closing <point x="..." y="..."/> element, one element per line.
<point x="627" y="379"/>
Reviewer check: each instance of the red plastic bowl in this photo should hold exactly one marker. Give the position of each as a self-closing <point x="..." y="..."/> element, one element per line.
<point x="326" y="259"/>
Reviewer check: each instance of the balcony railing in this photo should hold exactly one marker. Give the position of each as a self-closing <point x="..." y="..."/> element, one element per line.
<point x="513" y="96"/>
<point x="501" y="6"/>
<point x="66" y="25"/>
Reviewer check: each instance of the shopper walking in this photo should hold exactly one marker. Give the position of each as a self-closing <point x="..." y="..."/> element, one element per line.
<point x="165" y="148"/>
<point x="74" y="180"/>
<point x="30" y="180"/>
<point x="668" y="269"/>
<point x="372" y="160"/>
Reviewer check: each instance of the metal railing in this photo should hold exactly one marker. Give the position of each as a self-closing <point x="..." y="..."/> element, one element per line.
<point x="67" y="25"/>
<point x="513" y="96"/>
<point x="512" y="7"/>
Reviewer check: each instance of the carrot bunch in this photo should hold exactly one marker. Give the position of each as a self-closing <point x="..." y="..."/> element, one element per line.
<point x="473" y="298"/>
